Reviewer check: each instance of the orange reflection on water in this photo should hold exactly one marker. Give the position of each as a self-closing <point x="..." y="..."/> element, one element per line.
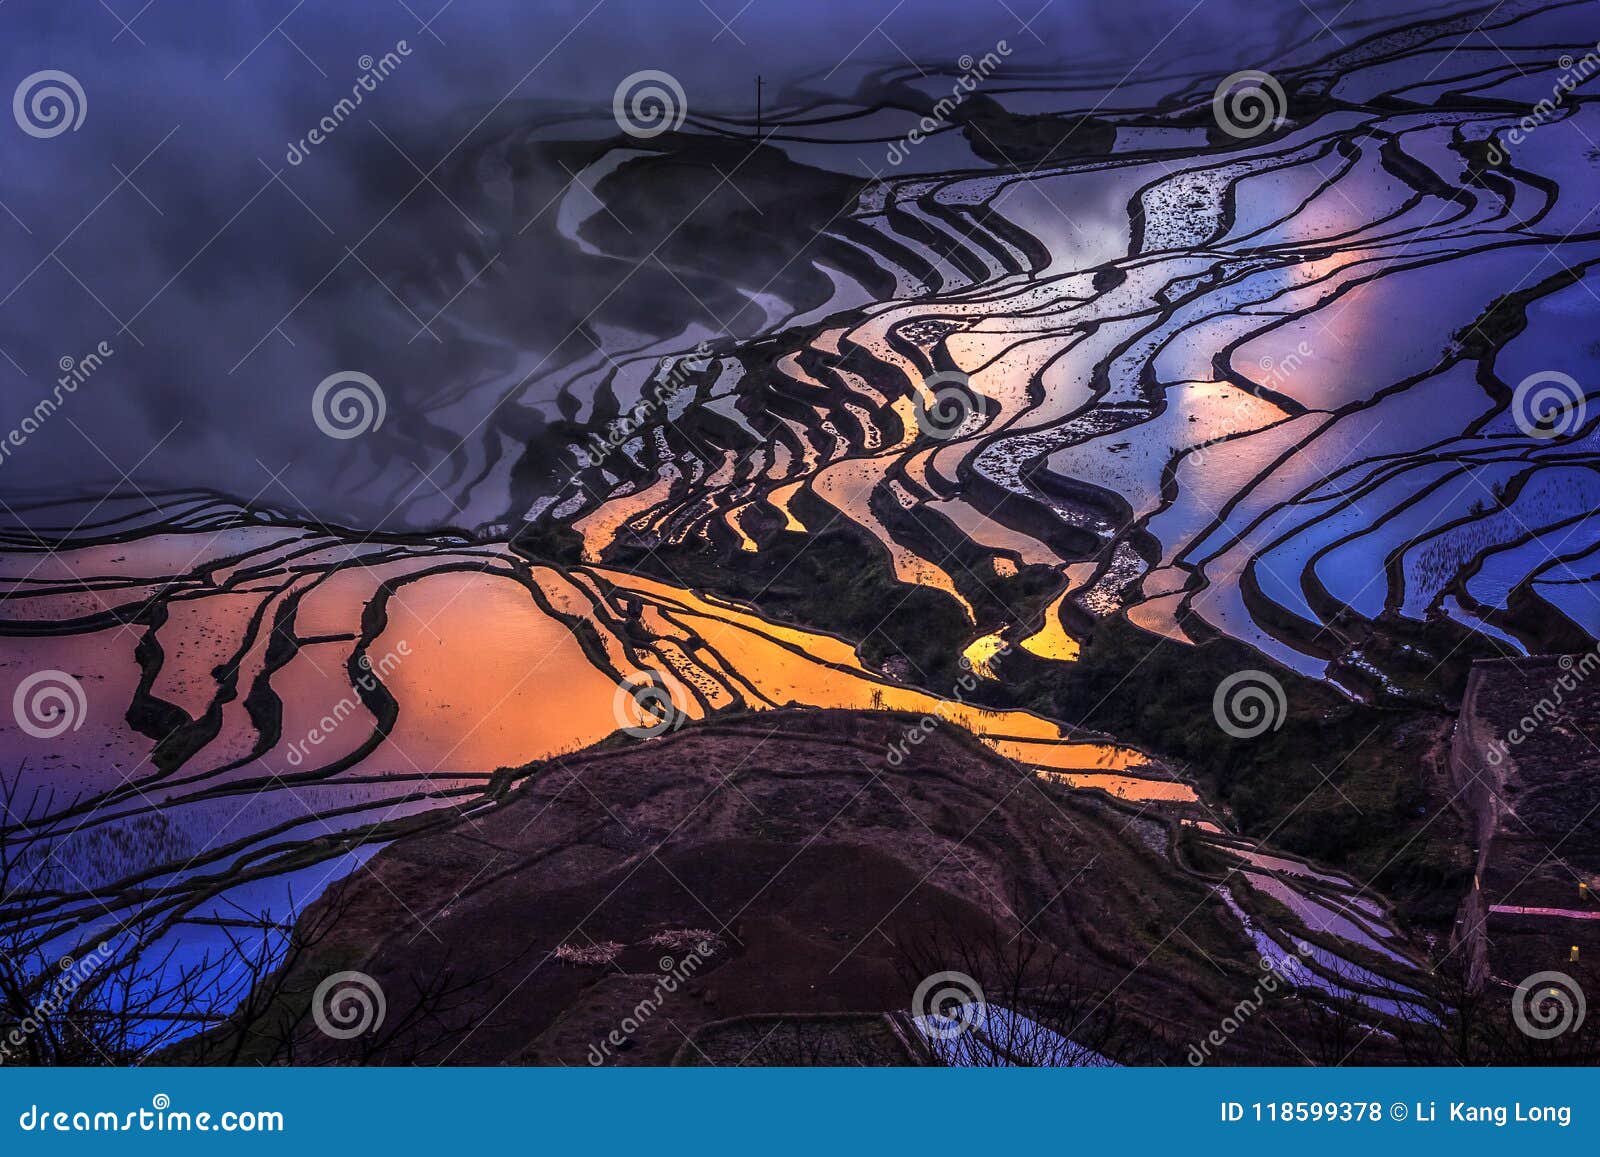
<point x="981" y="652"/>
<point x="785" y="664"/>
<point x="1071" y="756"/>
<point x="1051" y="640"/>
<point x="599" y="527"/>
<point x="490" y="681"/>
<point x="1129" y="787"/>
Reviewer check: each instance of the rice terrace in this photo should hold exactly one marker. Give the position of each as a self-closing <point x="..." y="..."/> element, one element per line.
<point x="1060" y="541"/>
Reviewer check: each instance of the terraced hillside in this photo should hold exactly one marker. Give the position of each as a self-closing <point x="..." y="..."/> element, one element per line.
<point x="792" y="867"/>
<point x="1264" y="388"/>
<point x="1101" y="370"/>
<point x="1524" y="770"/>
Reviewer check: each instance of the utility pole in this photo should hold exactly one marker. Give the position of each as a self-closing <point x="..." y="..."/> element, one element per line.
<point x="758" y="108"/>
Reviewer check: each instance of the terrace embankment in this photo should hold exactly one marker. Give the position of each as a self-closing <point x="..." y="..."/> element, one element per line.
<point x="1527" y="777"/>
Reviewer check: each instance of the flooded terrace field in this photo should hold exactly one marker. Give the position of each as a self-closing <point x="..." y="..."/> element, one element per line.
<point x="1304" y="374"/>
